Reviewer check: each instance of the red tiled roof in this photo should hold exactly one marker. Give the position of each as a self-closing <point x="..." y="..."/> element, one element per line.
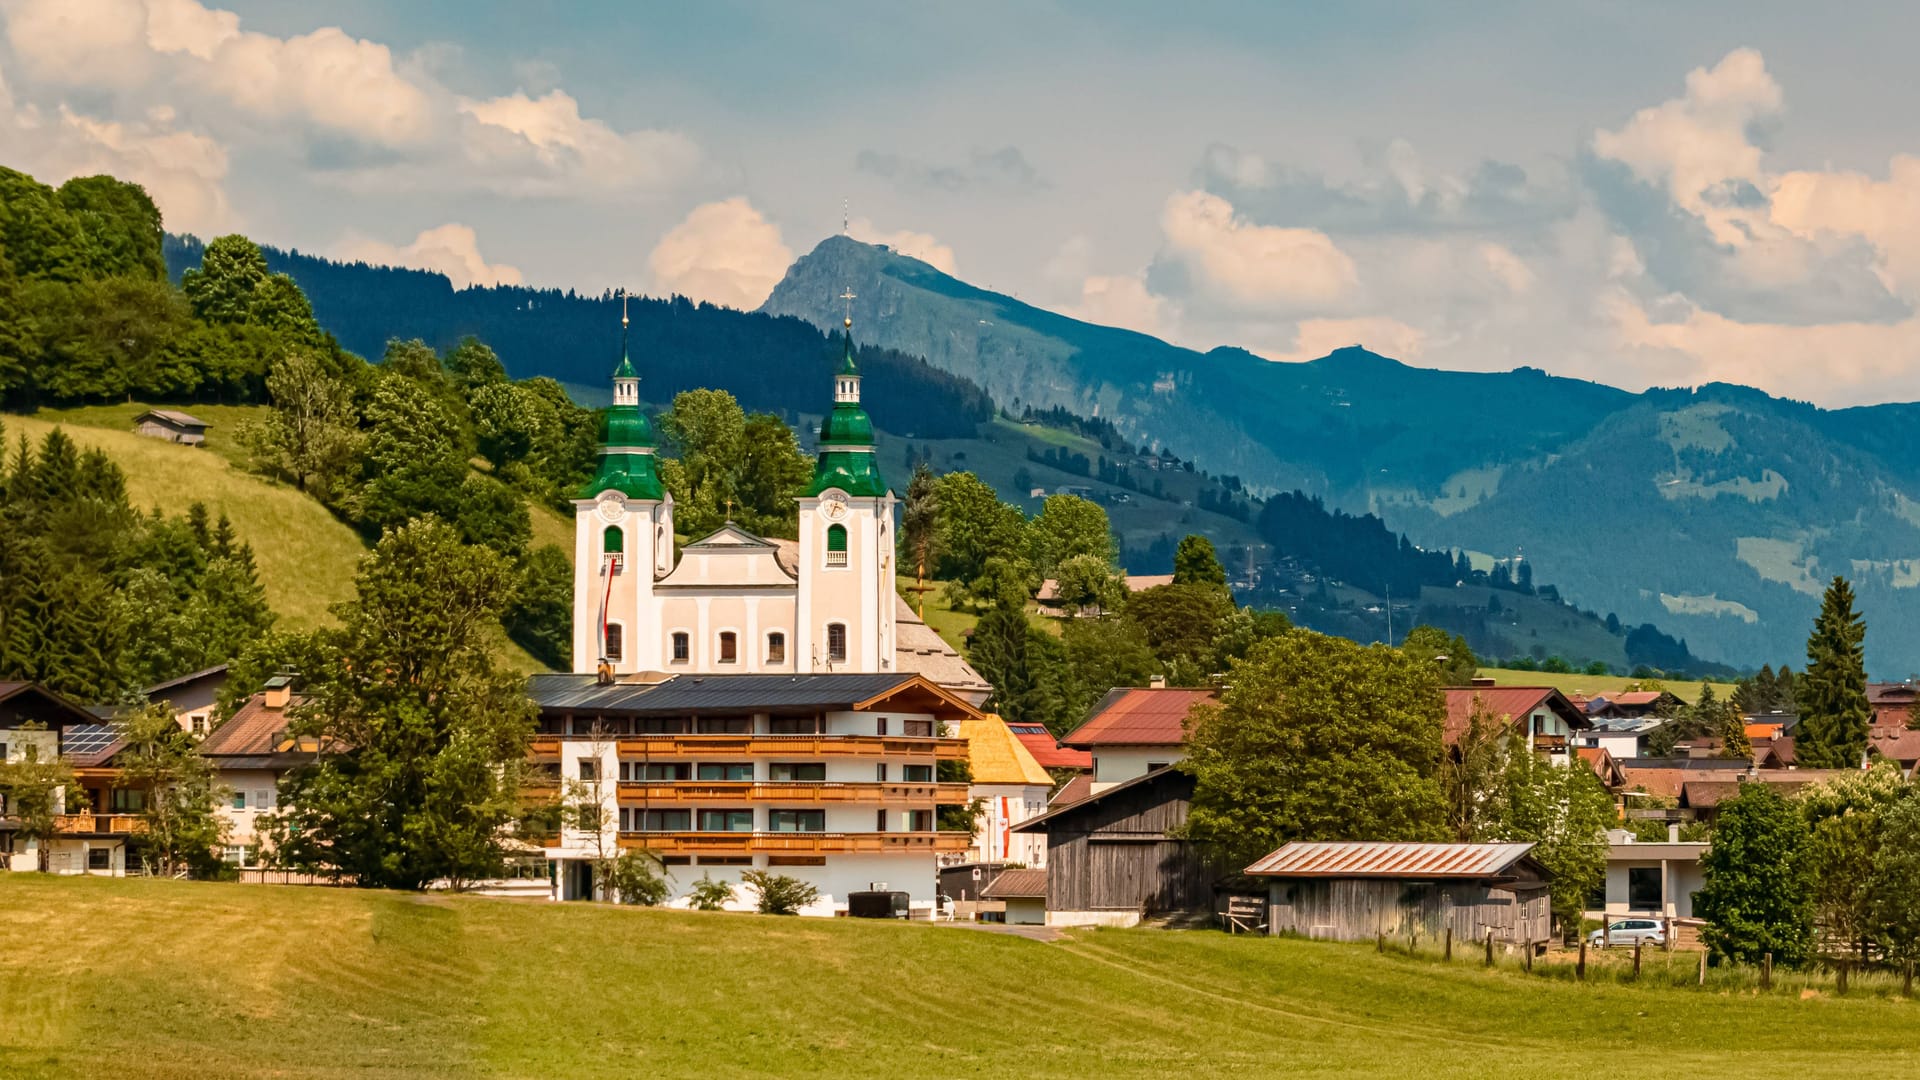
<point x="1139" y="717"/>
<point x="1383" y="860"/>
<point x="1602" y="762"/>
<point x="1635" y="697"/>
<point x="1047" y="750"/>
<point x="253" y="729"/>
<point x="1513" y="702"/>
<point x="1902" y="745"/>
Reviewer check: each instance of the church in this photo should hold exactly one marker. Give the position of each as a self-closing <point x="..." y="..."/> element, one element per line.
<point x="744" y="702"/>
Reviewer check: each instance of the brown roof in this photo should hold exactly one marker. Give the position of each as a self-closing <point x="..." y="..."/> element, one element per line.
<point x="173" y="416"/>
<point x="1891" y="693"/>
<point x="919" y="649"/>
<point x="1016" y="885"/>
<point x="1050" y="588"/>
<point x="1047" y="750"/>
<point x="1139" y="717"/>
<point x="1710" y="793"/>
<point x="1901" y="745"/>
<point x="1666" y="776"/>
<point x="1072" y="792"/>
<point x="1603" y="764"/>
<point x="1302" y="859"/>
<point x="1513" y="702"/>
<point x="253" y="729"/>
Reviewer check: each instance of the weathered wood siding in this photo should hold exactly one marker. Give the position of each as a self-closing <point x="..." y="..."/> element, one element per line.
<point x="1116" y="855"/>
<point x="1346" y="909"/>
<point x="155" y="429"/>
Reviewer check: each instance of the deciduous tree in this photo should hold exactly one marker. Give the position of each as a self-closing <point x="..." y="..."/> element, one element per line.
<point x="184" y="832"/>
<point x="1758" y="896"/>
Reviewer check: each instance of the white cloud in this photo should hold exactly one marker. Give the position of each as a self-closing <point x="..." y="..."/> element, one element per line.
<point x="1694" y="143"/>
<point x="724" y="252"/>
<point x="452" y="249"/>
<point x="1254" y="265"/>
<point x="1124" y="301"/>
<point x="1315" y="338"/>
<point x="915" y="245"/>
<point x="1885" y="212"/>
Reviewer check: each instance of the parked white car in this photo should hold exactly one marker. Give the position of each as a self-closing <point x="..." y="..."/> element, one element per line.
<point x="1628" y="931"/>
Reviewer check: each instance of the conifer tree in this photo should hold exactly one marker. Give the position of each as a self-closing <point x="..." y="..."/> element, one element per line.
<point x="1833" y="692"/>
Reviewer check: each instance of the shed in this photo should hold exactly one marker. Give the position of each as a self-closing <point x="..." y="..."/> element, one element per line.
<point x="1116" y="855"/>
<point x="171" y="425"/>
<point x="1357" y="891"/>
<point x="1025" y="894"/>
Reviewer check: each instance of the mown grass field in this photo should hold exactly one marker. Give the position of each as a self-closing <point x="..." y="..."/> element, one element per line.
<point x="1595" y="684"/>
<point x="175" y="979"/>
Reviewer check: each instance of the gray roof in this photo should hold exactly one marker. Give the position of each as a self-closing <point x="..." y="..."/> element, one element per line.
<point x="174" y="416"/>
<point x="1313" y="859"/>
<point x="1019" y="884"/>
<point x="684" y="694"/>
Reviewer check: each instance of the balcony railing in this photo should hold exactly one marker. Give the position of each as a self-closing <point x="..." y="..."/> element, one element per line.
<point x="825" y="843"/>
<point x="638" y="747"/>
<point x="635" y="792"/>
<point x="98" y="824"/>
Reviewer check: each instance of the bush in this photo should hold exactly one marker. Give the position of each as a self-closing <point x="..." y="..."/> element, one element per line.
<point x="633" y="879"/>
<point x="709" y="895"/>
<point x="780" y="894"/>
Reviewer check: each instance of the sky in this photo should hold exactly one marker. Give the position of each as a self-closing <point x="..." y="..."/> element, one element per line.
<point x="1640" y="194"/>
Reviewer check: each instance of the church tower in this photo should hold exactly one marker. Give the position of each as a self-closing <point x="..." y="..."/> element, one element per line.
<point x="623" y="538"/>
<point x="846" y="604"/>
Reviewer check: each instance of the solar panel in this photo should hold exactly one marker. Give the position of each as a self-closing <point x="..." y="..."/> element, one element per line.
<point x="79" y="739"/>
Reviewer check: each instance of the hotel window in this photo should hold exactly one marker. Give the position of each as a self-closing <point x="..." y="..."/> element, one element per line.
<point x="917" y="774"/>
<point x="589" y="769"/>
<point x="665" y="820"/>
<point x="613" y="542"/>
<point x="836" y="643"/>
<point x="791" y="771"/>
<point x="922" y="728"/>
<point x="880" y="725"/>
<point x="726" y="770"/>
<point x="680" y="647"/>
<point x="616" y="641"/>
<point x="793" y="725"/>
<point x="880" y="772"/>
<point x="667" y="771"/>
<point x="836" y="545"/>
<point x="724" y="725"/>
<point x="880" y="820"/>
<point x="728" y="652"/>
<point x="128" y="800"/>
<point x="726" y="821"/>
<point x="796" y="821"/>
<point x="919" y="821"/>
<point x="776" y="648"/>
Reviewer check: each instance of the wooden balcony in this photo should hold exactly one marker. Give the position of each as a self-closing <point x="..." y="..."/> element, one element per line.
<point x="98" y="824"/>
<point x="797" y="792"/>
<point x="787" y="843"/>
<point x="638" y="747"/>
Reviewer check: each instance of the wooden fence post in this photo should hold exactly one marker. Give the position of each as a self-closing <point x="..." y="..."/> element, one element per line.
<point x="1489" y="946"/>
<point x="1529" y="948"/>
<point x="1637" y="943"/>
<point x="1580" y="969"/>
<point x="1380" y="946"/>
<point x="1766" y="971"/>
<point x="1447" y="950"/>
<point x="1703" y="969"/>
<point x="1840" y="978"/>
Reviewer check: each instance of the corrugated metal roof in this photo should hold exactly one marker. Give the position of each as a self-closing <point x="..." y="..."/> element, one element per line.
<point x="173" y="416"/>
<point x="1016" y="884"/>
<point x="1139" y="716"/>
<point x="1047" y="750"/>
<point x="1389" y="860"/>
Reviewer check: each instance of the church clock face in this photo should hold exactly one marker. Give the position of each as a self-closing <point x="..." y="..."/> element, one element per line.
<point x="612" y="507"/>
<point x="833" y="504"/>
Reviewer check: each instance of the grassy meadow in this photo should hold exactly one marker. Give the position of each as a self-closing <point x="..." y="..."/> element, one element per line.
<point x="147" y="978"/>
<point x="1595" y="684"/>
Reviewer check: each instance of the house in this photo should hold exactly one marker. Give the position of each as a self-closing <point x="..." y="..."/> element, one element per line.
<point x="1635" y="704"/>
<point x="192" y="697"/>
<point x="828" y="778"/>
<point x="1898" y="745"/>
<point x="1049" y="595"/>
<point x="1623" y="737"/>
<point x="1115" y="856"/>
<point x="1135" y="730"/>
<point x="1611" y="776"/>
<point x="1024" y="892"/>
<point x="1541" y="715"/>
<point x="1649" y="880"/>
<point x="1892" y="704"/>
<point x="171" y="425"/>
<point x="250" y="752"/>
<point x="1010" y="787"/>
<point x="1357" y="891"/>
<point x="1048" y="752"/>
<point x="36" y="723"/>
<point x="1700" y="799"/>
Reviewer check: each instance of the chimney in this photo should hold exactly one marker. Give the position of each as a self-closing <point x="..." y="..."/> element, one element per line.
<point x="1673" y="832"/>
<point x="1157" y="682"/>
<point x="279" y="691"/>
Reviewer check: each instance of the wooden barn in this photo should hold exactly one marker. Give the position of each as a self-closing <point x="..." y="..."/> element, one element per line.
<point x="171" y="425"/>
<point x="1357" y="891"/>
<point x="1113" y="857"/>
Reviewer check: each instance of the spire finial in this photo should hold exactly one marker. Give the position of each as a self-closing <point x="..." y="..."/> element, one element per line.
<point x="623" y="307"/>
<point x="849" y="298"/>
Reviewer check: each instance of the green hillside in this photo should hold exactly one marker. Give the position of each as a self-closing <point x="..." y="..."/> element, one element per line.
<point x="306" y="556"/>
<point x="245" y="981"/>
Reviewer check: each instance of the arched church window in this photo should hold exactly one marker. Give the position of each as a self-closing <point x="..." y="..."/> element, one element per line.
<point x="614" y="542"/>
<point x="836" y="545"/>
<point x="616" y="641"/>
<point x="680" y="647"/>
<point x="776" y="648"/>
<point x="837" y="643"/>
<point x="728" y="648"/>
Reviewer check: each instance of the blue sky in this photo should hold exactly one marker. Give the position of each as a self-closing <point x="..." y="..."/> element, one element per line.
<point x="1621" y="192"/>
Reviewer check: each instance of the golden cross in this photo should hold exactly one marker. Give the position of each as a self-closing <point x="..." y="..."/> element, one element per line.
<point x="848" y="297"/>
<point x="729" y="509"/>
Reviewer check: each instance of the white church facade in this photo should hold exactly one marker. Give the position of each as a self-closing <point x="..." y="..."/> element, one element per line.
<point x="750" y="703"/>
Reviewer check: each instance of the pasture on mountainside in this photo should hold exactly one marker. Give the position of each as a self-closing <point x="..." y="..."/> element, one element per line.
<point x="179" y="979"/>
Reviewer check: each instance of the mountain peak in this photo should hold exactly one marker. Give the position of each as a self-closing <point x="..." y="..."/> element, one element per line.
<point x="1359" y="357"/>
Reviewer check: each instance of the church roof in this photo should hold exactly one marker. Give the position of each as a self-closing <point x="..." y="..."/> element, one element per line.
<point x="919" y="648"/>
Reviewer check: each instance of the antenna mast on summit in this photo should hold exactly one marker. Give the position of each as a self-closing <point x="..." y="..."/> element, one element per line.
<point x="846" y="216"/>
